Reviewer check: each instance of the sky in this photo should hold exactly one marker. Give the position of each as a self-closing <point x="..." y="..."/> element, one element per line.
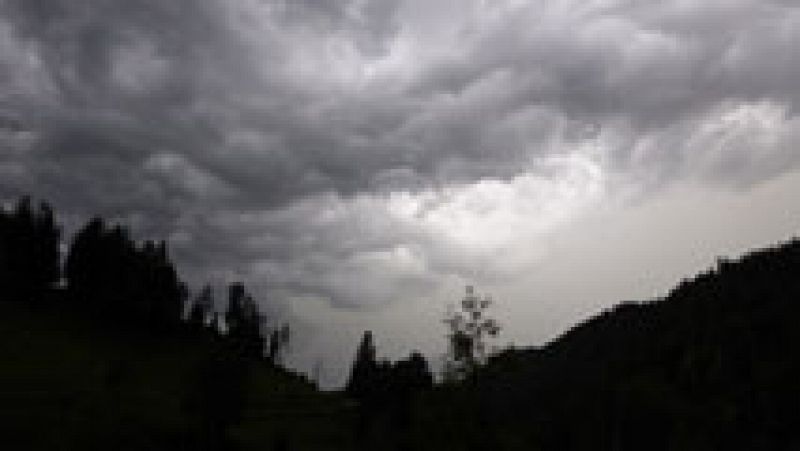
<point x="357" y="163"/>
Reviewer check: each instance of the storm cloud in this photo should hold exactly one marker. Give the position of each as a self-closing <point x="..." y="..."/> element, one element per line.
<point x="364" y="151"/>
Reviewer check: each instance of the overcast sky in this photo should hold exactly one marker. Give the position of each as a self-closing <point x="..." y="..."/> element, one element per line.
<point x="357" y="162"/>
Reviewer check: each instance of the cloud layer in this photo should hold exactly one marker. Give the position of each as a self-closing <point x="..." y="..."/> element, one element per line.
<point x="363" y="151"/>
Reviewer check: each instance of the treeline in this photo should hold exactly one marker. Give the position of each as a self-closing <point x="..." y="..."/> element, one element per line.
<point x="712" y="365"/>
<point x="124" y="288"/>
<point x="388" y="395"/>
<point x="115" y="280"/>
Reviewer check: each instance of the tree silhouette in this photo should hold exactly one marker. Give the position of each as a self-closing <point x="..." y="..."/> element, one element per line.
<point x="113" y="278"/>
<point x="364" y="374"/>
<point x="29" y="254"/>
<point x="411" y="374"/>
<point x="468" y="331"/>
<point x="368" y="385"/>
<point x="243" y="323"/>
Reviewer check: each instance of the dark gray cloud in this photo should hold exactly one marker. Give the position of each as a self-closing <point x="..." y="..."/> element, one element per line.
<point x="364" y="150"/>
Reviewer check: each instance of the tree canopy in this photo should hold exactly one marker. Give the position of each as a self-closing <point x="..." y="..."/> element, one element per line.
<point x="29" y="252"/>
<point x="112" y="276"/>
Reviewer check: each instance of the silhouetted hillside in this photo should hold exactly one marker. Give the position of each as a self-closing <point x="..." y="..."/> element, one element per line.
<point x="714" y="365"/>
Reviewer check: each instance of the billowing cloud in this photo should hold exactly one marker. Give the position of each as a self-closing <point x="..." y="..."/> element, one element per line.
<point x="364" y="151"/>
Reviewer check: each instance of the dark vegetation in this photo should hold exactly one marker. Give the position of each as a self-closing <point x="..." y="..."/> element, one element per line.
<point x="98" y="353"/>
<point x="110" y="350"/>
<point x="714" y="365"/>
